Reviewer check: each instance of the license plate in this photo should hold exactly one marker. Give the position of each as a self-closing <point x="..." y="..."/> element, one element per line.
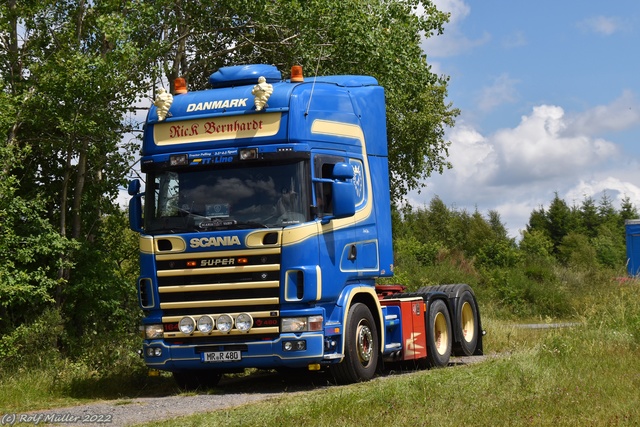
<point x="221" y="356"/>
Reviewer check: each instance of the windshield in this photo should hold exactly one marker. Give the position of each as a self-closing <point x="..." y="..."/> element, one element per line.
<point x="230" y="198"/>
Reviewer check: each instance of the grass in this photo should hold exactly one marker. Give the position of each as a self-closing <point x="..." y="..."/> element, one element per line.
<point x="63" y="383"/>
<point x="587" y="375"/>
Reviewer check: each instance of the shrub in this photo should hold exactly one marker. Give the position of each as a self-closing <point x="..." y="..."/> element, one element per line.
<point x="32" y="345"/>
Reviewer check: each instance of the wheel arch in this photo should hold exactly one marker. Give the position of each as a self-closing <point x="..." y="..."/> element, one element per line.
<point x="367" y="296"/>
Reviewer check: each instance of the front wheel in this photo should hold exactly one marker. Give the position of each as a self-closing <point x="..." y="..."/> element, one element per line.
<point x="361" y="347"/>
<point x="439" y="337"/>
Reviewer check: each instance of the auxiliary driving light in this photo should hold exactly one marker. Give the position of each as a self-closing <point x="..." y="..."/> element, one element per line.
<point x="205" y="324"/>
<point x="244" y="322"/>
<point x="225" y="323"/>
<point x="187" y="325"/>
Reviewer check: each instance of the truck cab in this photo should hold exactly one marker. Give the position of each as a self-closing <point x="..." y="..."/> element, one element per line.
<point x="265" y="224"/>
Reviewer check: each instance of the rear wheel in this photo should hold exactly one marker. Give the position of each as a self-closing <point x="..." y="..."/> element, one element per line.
<point x="439" y="335"/>
<point x="467" y="325"/>
<point x="196" y="379"/>
<point x="361" y="347"/>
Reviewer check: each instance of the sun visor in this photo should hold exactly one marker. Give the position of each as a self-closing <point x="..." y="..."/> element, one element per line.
<point x="241" y="75"/>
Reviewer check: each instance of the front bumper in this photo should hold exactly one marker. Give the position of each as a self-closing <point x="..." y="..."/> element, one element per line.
<point x="254" y="354"/>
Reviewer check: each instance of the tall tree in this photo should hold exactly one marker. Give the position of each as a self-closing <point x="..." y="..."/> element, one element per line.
<point x="71" y="73"/>
<point x="589" y="218"/>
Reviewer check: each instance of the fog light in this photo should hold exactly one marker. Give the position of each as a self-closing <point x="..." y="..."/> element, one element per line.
<point x="225" y="323"/>
<point x="298" y="345"/>
<point x="187" y="325"/>
<point x="244" y="322"/>
<point x="205" y="324"/>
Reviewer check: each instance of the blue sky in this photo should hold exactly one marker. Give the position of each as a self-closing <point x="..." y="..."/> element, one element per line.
<point x="549" y="93"/>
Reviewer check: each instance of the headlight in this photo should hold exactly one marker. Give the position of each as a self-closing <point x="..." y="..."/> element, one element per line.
<point x="205" y="324"/>
<point x="302" y="324"/>
<point x="186" y="325"/>
<point x="225" y="323"/>
<point x="153" y="331"/>
<point x="244" y="322"/>
<point x="294" y="324"/>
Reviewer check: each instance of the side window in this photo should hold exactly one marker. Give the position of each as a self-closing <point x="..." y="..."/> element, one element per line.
<point x="359" y="181"/>
<point x="323" y="176"/>
<point x="167" y="187"/>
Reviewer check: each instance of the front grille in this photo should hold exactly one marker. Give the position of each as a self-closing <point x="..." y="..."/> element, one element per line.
<point x="210" y="284"/>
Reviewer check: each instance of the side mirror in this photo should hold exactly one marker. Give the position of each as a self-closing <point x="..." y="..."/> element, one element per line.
<point x="344" y="192"/>
<point x="134" y="187"/>
<point x="135" y="206"/>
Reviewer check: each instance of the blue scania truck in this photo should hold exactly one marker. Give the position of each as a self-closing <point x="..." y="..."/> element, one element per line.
<point x="265" y="224"/>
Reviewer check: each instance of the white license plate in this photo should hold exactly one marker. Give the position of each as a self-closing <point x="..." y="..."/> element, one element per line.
<point x="221" y="356"/>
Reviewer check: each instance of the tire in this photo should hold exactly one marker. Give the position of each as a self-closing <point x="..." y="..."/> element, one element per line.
<point x="361" y="347"/>
<point x="439" y="335"/>
<point x="467" y="325"/>
<point x="196" y="379"/>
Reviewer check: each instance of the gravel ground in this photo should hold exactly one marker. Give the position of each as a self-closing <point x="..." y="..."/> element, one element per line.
<point x="231" y="392"/>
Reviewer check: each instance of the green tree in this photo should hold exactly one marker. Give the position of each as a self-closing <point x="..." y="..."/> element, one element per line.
<point x="536" y="243"/>
<point x="609" y="245"/>
<point x="71" y="74"/>
<point x="589" y="217"/>
<point x="576" y="250"/>
<point x="627" y="210"/>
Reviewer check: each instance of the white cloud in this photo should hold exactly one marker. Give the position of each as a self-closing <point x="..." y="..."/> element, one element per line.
<point x="614" y="187"/>
<point x="623" y="113"/>
<point x="516" y="170"/>
<point x="502" y="91"/>
<point x="539" y="149"/>
<point x="472" y="156"/>
<point x="605" y="25"/>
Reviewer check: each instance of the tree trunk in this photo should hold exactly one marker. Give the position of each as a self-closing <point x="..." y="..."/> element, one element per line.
<point x="76" y="210"/>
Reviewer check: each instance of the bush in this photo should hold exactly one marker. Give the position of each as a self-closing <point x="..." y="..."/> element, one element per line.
<point x="32" y="345"/>
<point x="519" y="293"/>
